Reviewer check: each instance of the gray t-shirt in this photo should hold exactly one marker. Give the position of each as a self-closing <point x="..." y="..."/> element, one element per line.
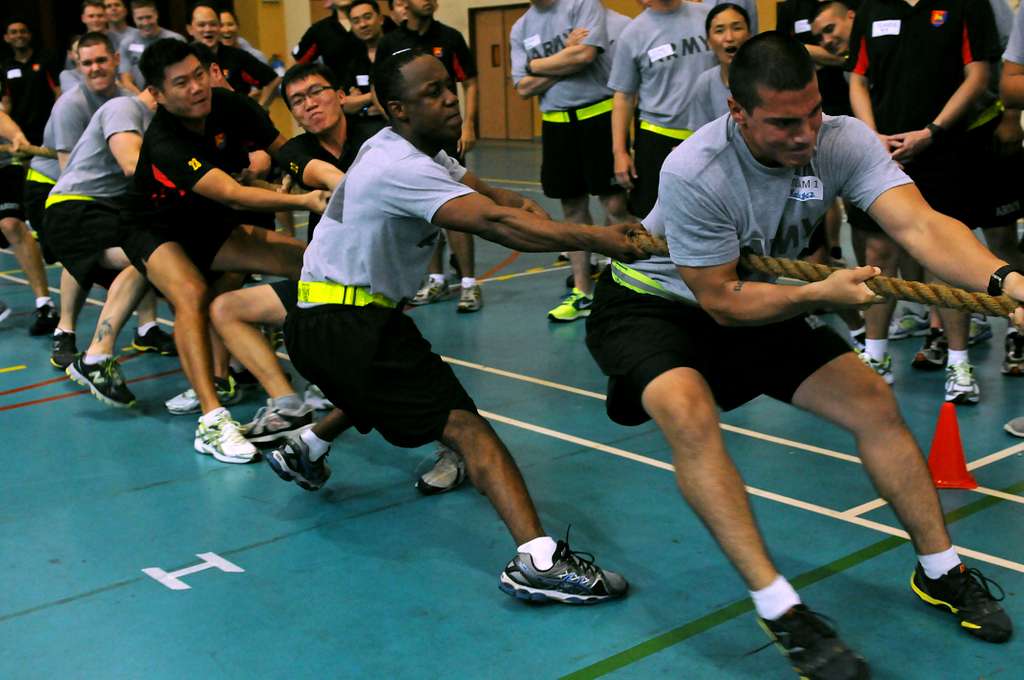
<point x="1015" y="48"/>
<point x="92" y="169"/>
<point x="131" y="49"/>
<point x="710" y="97"/>
<point x="69" y="78"/>
<point x="542" y="32"/>
<point x="660" y="55"/>
<point x="68" y="119"/>
<point x="715" y="199"/>
<point x="118" y="37"/>
<point x="382" y="237"/>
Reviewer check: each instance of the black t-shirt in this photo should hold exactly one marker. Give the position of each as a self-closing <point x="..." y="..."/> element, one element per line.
<point x="914" y="57"/>
<point x="31" y="88"/>
<point x="300" y="150"/>
<point x="444" y="42"/>
<point x="794" y="17"/>
<point x="328" y="41"/>
<point x="173" y="158"/>
<point x="242" y="70"/>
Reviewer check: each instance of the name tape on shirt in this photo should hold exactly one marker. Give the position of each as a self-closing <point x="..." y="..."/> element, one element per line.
<point x="886" y="27"/>
<point x="13" y="73"/>
<point x="660" y="52"/>
<point x="531" y="42"/>
<point x="138" y="48"/>
<point x="362" y="80"/>
<point x="802" y="26"/>
<point x="806" y="188"/>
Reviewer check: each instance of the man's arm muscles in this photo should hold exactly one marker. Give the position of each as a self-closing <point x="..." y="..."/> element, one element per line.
<point x="219" y="186"/>
<point x="502" y="197"/>
<point x="565" y="62"/>
<point x="531" y="86"/>
<point x="860" y="100"/>
<point x="125" y="146"/>
<point x="1011" y="85"/>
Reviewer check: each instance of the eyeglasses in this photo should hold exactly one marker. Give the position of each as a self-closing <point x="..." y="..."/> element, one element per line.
<point x="299" y="98"/>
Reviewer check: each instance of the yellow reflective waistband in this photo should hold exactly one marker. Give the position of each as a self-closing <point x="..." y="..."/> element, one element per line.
<point x="326" y="293"/>
<point x="627" y="277"/>
<point x="36" y="176"/>
<point x="996" y="109"/>
<point x="54" y="199"/>
<point x="674" y="133"/>
<point x="580" y="114"/>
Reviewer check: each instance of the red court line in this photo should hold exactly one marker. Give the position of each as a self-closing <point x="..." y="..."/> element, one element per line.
<point x="51" y="381"/>
<point x="76" y="393"/>
<point x="501" y="265"/>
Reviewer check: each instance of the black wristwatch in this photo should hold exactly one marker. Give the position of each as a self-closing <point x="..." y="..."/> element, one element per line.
<point x="936" y="130"/>
<point x="995" y="282"/>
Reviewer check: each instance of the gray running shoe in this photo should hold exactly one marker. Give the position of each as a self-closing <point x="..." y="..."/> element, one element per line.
<point x="432" y="291"/>
<point x="290" y="461"/>
<point x="908" y="325"/>
<point x="448" y="472"/>
<point x="228" y="392"/>
<point x="470" y="300"/>
<point x="316" y="400"/>
<point x="572" y="579"/>
<point x="104" y="380"/>
<point x="1015" y="427"/>
<point x="1013" y="361"/>
<point x="882" y="368"/>
<point x="271" y="423"/>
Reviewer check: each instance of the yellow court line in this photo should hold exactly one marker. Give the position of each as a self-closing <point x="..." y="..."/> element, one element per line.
<point x="12" y="369"/>
<point x="511" y="181"/>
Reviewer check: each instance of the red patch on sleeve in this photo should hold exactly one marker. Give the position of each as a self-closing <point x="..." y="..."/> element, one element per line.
<point x="862" y="58"/>
<point x="968" y="57"/>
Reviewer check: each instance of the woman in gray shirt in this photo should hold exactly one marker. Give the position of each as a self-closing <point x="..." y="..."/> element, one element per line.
<point x="728" y="27"/>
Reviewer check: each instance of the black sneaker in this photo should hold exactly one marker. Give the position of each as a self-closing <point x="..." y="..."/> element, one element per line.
<point x="1013" y="361"/>
<point x="813" y="648"/>
<point x="244" y="378"/>
<point x="64" y="350"/>
<point x="966" y="594"/>
<point x="46" y="320"/>
<point x="932" y="355"/>
<point x="155" y="340"/>
<point x="572" y="579"/>
<point x="290" y="461"/>
<point x="104" y="380"/>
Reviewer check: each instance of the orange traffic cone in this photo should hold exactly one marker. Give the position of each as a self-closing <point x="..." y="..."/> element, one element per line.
<point x="946" y="458"/>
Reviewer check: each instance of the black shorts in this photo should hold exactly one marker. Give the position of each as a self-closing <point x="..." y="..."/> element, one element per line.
<point x="577" y="158"/>
<point x="288" y="293"/>
<point x="35" y="205"/>
<point x="650" y="152"/>
<point x="78" y="233"/>
<point x="1000" y="188"/>
<point x="12" y="190"/>
<point x="200" y="241"/>
<point x="636" y="337"/>
<point x="374" y="364"/>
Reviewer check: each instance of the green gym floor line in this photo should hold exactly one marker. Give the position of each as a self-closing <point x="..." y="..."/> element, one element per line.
<point x="369" y="579"/>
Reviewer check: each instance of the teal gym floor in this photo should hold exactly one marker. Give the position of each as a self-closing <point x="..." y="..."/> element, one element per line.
<point x="369" y="579"/>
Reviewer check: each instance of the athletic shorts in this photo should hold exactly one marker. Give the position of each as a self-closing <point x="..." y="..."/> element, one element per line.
<point x="201" y="241"/>
<point x="12" y="189"/>
<point x="78" y="233"/>
<point x="35" y="205"/>
<point x="577" y="158"/>
<point x="998" y="179"/>
<point x="636" y="337"/>
<point x="288" y="293"/>
<point x="650" y="152"/>
<point x="374" y="364"/>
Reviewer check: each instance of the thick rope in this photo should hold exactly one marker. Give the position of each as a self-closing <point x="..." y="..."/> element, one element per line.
<point x="29" y="150"/>
<point x="932" y="294"/>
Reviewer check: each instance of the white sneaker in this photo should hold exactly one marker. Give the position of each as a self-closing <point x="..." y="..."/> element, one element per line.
<point x="908" y="325"/>
<point x="223" y="440"/>
<point x="1015" y="427"/>
<point x="882" y="368"/>
<point x="448" y="473"/>
<point x="315" y="399"/>
<point x="228" y="392"/>
<point x="981" y="329"/>
<point x="432" y="291"/>
<point x="961" y="386"/>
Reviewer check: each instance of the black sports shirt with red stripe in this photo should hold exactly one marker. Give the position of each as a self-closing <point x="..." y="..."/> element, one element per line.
<point x="914" y="57"/>
<point x="31" y="87"/>
<point x="242" y="70"/>
<point x="444" y="42"/>
<point x="329" y="42"/>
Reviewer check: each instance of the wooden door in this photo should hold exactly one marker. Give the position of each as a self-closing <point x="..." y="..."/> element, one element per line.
<point x="520" y="113"/>
<point x="489" y="40"/>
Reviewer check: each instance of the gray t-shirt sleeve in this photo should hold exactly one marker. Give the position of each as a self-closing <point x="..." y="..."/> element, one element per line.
<point x="68" y="125"/>
<point x="419" y="186"/>
<point x="625" y="76"/>
<point x="1015" y="48"/>
<point x="591" y="15"/>
<point x="120" y="117"/>
<point x="698" y="227"/>
<point x="518" y="60"/>
<point x="866" y="169"/>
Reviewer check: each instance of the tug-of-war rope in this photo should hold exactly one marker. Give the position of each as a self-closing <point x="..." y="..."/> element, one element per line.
<point x="932" y="294"/>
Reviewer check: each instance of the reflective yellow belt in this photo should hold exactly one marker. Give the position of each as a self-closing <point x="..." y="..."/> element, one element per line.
<point x="36" y="176"/>
<point x="674" y="133"/>
<point x="581" y="114"/>
<point x="326" y="293"/>
<point x="996" y="109"/>
<point x="54" y="199"/>
<point x="627" y="277"/>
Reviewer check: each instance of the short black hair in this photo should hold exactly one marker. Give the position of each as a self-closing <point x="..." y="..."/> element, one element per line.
<point x="387" y="75"/>
<point x="161" y="54"/>
<point x="93" y="3"/>
<point x="372" y="3"/>
<point x="843" y="6"/>
<point x="303" y="71"/>
<point x="204" y="54"/>
<point x="772" y="60"/>
<point x="10" y="21"/>
<point x="718" y="9"/>
<point x="139" y="4"/>
<point x="202" y="3"/>
<point x="96" y="38"/>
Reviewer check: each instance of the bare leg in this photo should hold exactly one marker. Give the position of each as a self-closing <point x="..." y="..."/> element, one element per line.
<point x="682" y="405"/>
<point x="124" y="294"/>
<point x="233" y="315"/>
<point x="332" y="425"/>
<point x="882" y="252"/>
<point x="147" y="307"/>
<point x="72" y="297"/>
<point x="463" y="248"/>
<point x="27" y="252"/>
<point x="493" y="472"/>
<point x="436" y="265"/>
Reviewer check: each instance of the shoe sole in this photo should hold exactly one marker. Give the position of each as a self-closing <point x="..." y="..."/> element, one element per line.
<point x="579" y="315"/>
<point x="271" y="437"/>
<point x="521" y="592"/>
<point x="180" y="412"/>
<point x="277" y="463"/>
<point x="428" y="489"/>
<point x="964" y="399"/>
<point x="972" y="628"/>
<point x="1015" y="433"/>
<point x="81" y="380"/>
<point x="1014" y="370"/>
<point x="57" y="365"/>
<point x="146" y="349"/>
<point x="466" y="310"/>
<point x="201" y="447"/>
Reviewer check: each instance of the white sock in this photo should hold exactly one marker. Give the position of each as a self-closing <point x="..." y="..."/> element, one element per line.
<point x="774" y="600"/>
<point x="317" y="447"/>
<point x="540" y="550"/>
<point x="957" y="356"/>
<point x="937" y="565"/>
<point x="876" y="348"/>
<point x="43" y="301"/>
<point x="93" y="359"/>
<point x="144" y="327"/>
<point x="208" y="418"/>
<point x="437" y="278"/>
<point x="468" y="281"/>
<point x="857" y="331"/>
<point x="60" y="331"/>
